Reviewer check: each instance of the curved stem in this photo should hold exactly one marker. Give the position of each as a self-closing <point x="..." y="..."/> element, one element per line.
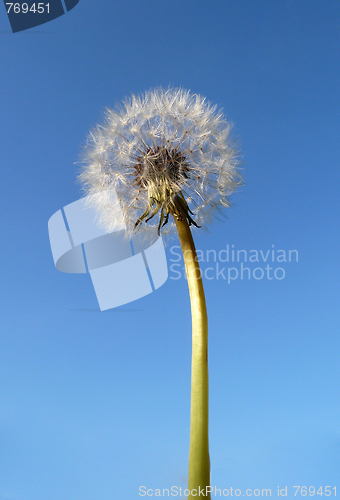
<point x="199" y="461"/>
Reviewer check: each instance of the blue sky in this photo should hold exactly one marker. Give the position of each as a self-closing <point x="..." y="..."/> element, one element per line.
<point x="95" y="404"/>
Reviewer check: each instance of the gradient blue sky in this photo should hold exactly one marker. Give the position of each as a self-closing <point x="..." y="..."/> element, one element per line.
<point x="95" y="404"/>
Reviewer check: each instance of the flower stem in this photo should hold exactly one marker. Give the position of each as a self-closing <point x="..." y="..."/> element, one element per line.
<point x="199" y="461"/>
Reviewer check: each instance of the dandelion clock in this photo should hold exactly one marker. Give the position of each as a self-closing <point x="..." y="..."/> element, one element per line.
<point x="168" y="155"/>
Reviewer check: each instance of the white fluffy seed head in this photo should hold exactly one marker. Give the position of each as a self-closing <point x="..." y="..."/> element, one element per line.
<point x="158" y="147"/>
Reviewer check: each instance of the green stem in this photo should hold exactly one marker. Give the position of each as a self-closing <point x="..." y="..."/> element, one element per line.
<point x="199" y="462"/>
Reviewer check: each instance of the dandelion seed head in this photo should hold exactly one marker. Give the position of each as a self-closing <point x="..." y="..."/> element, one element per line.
<point x="159" y="147"/>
